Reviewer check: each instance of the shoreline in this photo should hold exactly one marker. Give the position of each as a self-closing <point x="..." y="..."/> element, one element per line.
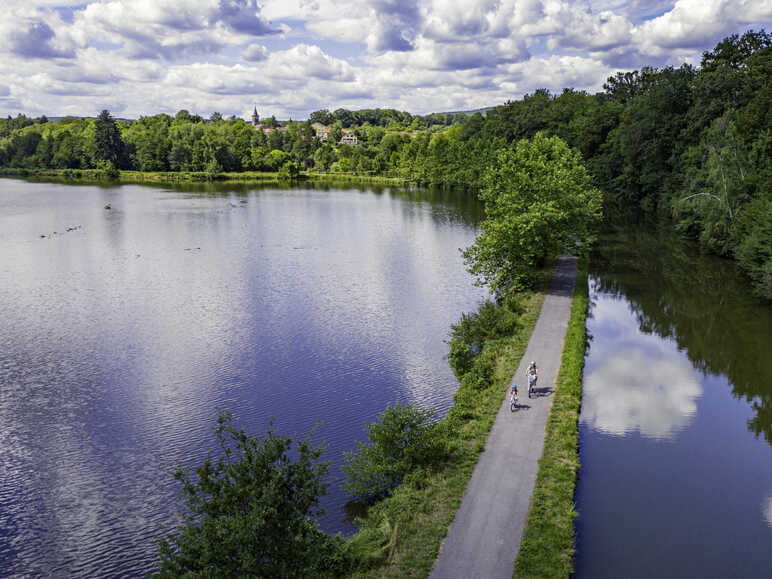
<point x="485" y="536"/>
<point x="97" y="176"/>
<point x="402" y="534"/>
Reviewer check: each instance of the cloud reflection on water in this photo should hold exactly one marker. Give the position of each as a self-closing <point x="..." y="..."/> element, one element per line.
<point x="766" y="510"/>
<point x="635" y="382"/>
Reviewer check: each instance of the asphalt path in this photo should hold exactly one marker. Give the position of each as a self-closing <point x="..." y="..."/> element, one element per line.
<point x="484" y="539"/>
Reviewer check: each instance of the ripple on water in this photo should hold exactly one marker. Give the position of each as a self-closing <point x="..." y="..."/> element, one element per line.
<point x="119" y="346"/>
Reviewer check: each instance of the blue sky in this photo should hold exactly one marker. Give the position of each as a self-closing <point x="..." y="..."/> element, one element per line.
<point x="291" y="57"/>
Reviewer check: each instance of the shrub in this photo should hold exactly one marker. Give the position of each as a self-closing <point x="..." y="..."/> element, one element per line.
<point x="469" y="336"/>
<point x="107" y="170"/>
<point x="404" y="438"/>
<point x="249" y="513"/>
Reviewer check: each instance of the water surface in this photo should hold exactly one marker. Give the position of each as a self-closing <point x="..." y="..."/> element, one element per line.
<point x="676" y="420"/>
<point x="125" y="329"/>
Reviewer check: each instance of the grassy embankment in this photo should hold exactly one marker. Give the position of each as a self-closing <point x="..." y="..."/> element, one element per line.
<point x="547" y="548"/>
<point x="402" y="534"/>
<point x="98" y="176"/>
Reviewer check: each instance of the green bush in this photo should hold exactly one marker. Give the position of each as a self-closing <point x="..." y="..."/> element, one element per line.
<point x="289" y="170"/>
<point x="107" y="170"/>
<point x="404" y="439"/>
<point x="250" y="513"/>
<point x="468" y="338"/>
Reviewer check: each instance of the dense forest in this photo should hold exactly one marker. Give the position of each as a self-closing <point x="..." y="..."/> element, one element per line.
<point x="692" y="144"/>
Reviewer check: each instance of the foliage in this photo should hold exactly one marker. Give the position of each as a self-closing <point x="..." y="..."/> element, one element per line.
<point x="250" y="512"/>
<point x="289" y="170"/>
<point x="404" y="439"/>
<point x="538" y="199"/>
<point x="490" y="322"/>
<point x="754" y="248"/>
<point x="107" y="170"/>
<point x="108" y="144"/>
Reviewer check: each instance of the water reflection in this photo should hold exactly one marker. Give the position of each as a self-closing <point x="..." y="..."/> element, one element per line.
<point x="675" y="422"/>
<point x="635" y="382"/>
<point x="699" y="302"/>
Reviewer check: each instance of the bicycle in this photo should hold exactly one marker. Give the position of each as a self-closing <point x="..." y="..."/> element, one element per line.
<point x="513" y="399"/>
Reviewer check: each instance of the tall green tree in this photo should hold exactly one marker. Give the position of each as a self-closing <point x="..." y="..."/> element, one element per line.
<point x="538" y="200"/>
<point x="108" y="144"/>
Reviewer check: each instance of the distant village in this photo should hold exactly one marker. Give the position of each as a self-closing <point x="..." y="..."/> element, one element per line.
<point x="323" y="132"/>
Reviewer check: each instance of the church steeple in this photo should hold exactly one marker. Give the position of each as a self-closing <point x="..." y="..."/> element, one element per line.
<point x="255" y="118"/>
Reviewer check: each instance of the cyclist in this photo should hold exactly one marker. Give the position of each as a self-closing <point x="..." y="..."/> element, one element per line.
<point x="513" y="397"/>
<point x="533" y="374"/>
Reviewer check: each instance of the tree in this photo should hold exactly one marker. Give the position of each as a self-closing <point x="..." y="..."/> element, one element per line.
<point x="108" y="145"/>
<point x="250" y="512"/>
<point x="538" y="200"/>
<point x="404" y="439"/>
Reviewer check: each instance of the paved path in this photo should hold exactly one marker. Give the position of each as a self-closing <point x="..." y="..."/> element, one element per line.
<point x="484" y="538"/>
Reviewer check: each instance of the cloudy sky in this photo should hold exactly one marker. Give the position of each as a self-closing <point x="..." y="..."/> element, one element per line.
<point x="291" y="57"/>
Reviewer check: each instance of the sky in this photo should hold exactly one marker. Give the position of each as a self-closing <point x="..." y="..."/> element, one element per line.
<point x="289" y="58"/>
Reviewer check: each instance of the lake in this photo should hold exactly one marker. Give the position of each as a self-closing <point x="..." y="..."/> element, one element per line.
<point x="676" y="419"/>
<point x="124" y="330"/>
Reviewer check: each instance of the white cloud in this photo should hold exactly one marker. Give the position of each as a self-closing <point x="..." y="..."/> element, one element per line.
<point x="255" y="53"/>
<point x="423" y="55"/>
<point x="217" y="79"/>
<point x="555" y="73"/>
<point x="453" y="20"/>
<point x="695" y="23"/>
<point x="172" y="29"/>
<point x="303" y="61"/>
<point x="340" y="29"/>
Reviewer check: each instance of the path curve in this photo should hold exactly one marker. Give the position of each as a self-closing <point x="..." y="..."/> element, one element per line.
<point x="484" y="538"/>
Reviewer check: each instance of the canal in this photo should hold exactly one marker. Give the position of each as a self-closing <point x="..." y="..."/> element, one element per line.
<point x="676" y="419"/>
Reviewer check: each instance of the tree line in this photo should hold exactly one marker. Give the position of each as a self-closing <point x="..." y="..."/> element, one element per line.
<point x="187" y="142"/>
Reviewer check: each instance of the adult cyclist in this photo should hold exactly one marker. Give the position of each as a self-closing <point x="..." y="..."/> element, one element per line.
<point x="532" y="373"/>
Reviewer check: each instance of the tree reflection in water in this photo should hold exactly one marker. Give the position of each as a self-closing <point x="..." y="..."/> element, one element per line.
<point x="701" y="302"/>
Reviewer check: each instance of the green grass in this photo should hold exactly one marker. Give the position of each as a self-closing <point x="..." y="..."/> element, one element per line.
<point x="354" y="178"/>
<point x="402" y="534"/>
<point x="547" y="548"/>
<point x="97" y="176"/>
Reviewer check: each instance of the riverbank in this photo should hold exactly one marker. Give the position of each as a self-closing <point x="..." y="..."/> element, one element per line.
<point x="485" y="537"/>
<point x="173" y="177"/>
<point x="402" y="534"/>
<point x="547" y="547"/>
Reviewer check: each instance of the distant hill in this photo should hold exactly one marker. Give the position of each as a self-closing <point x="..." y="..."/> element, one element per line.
<point x="54" y="119"/>
<point x="482" y="111"/>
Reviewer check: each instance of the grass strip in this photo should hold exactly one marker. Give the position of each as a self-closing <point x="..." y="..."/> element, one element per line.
<point x="402" y="534"/>
<point x="99" y="176"/>
<point x="547" y="547"/>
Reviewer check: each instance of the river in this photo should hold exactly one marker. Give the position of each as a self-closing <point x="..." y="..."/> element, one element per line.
<point x="131" y="314"/>
<point x="676" y="419"/>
